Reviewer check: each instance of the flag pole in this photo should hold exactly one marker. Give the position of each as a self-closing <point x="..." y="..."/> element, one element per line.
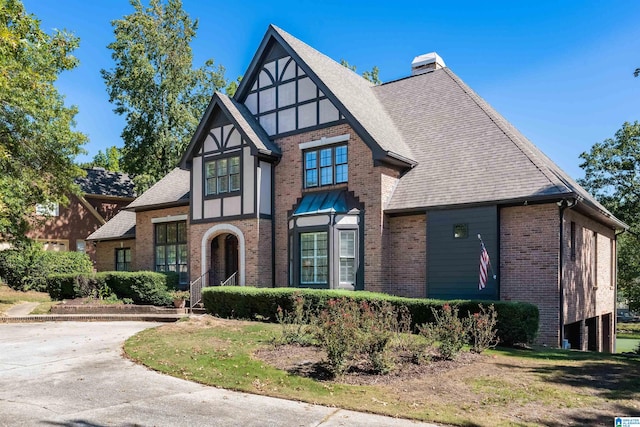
<point x="490" y="265"/>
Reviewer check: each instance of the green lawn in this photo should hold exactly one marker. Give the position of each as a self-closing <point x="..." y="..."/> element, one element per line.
<point x="9" y="297"/>
<point x="624" y="345"/>
<point x="502" y="387"/>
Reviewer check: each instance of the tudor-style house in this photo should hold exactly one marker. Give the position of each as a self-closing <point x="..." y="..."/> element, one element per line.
<point x="311" y="176"/>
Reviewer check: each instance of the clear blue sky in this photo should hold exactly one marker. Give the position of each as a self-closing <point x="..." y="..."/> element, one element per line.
<point x="560" y="71"/>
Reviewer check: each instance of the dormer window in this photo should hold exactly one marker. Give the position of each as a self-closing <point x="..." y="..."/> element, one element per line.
<point x="222" y="176"/>
<point x="326" y="166"/>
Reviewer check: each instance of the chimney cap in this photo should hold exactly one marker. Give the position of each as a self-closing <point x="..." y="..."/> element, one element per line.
<point x="426" y="62"/>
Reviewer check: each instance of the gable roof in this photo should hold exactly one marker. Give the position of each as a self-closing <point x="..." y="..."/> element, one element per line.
<point x="467" y="153"/>
<point x="121" y="226"/>
<point x="244" y="122"/>
<point x="100" y="182"/>
<point x="348" y="91"/>
<point x="172" y="190"/>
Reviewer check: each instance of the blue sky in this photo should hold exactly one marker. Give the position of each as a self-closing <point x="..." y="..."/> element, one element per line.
<point x="560" y="71"/>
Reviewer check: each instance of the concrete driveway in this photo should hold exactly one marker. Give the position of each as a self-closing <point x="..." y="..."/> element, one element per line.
<point x="73" y="374"/>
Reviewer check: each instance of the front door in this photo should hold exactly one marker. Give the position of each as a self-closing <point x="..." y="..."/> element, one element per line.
<point x="231" y="255"/>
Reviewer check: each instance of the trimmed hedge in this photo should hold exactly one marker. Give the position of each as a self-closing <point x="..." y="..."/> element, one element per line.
<point x="517" y="321"/>
<point x="28" y="268"/>
<point x="142" y="287"/>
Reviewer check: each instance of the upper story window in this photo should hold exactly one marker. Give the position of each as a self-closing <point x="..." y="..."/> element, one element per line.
<point x="326" y="166"/>
<point x="50" y="209"/>
<point x="222" y="176"/>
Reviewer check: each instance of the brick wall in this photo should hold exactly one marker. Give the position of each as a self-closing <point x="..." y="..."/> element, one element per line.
<point x="106" y="253"/>
<point x="529" y="257"/>
<point x="257" y="238"/>
<point x="371" y="184"/>
<point x="145" y="250"/>
<point x="405" y="259"/>
<point x="589" y="282"/>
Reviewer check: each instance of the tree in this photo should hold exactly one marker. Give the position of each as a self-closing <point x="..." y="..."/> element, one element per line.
<point x="612" y="174"/>
<point x="37" y="142"/>
<point x="372" y="76"/>
<point x="154" y="85"/>
<point x="232" y="87"/>
<point x="109" y="160"/>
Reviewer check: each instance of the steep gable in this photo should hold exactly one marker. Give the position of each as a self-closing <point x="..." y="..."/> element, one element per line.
<point x="290" y="86"/>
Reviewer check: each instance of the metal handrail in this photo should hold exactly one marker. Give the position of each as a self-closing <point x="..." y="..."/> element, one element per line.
<point x="195" y="290"/>
<point x="231" y="281"/>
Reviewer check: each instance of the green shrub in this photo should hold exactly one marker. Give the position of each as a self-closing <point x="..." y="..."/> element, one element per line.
<point x="448" y="330"/>
<point x="482" y="330"/>
<point x="517" y="322"/>
<point x="28" y="268"/>
<point x="141" y="287"/>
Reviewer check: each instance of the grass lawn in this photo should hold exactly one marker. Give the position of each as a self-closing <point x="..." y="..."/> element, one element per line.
<point x="9" y="297"/>
<point x="498" y="388"/>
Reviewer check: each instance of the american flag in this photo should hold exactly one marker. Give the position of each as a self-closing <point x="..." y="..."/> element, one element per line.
<point x="484" y="263"/>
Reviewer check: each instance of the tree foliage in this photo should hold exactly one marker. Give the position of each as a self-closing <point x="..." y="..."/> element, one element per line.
<point x="372" y="76"/>
<point x="612" y="174"/>
<point x="109" y="160"/>
<point x="155" y="87"/>
<point x="37" y="142"/>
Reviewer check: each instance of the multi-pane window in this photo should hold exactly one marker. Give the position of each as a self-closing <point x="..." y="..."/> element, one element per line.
<point x="314" y="266"/>
<point x="347" y="256"/>
<point x="50" y="209"/>
<point x="326" y="166"/>
<point x="222" y="176"/>
<point x="123" y="259"/>
<point x="171" y="248"/>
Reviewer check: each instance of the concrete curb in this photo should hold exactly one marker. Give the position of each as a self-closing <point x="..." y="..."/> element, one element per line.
<point x="93" y="318"/>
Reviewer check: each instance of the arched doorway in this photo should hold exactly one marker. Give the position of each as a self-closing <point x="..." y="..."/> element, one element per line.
<point x="224" y="259"/>
<point x="223" y="254"/>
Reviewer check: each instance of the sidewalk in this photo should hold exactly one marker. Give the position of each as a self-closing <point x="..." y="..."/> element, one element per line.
<point x="19" y="313"/>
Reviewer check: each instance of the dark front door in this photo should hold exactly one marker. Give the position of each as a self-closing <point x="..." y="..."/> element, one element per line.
<point x="231" y="255"/>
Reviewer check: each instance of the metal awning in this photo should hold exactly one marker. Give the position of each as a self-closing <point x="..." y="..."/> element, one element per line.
<point x="323" y="203"/>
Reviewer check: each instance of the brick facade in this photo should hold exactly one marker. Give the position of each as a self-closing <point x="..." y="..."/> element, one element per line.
<point x="589" y="278"/>
<point x="405" y="259"/>
<point x="145" y="247"/>
<point x="75" y="222"/>
<point x="530" y="271"/>
<point x="370" y="184"/>
<point x="529" y="263"/>
<point x="256" y="234"/>
<point x="106" y="253"/>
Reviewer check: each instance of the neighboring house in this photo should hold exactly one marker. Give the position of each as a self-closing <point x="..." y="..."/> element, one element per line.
<point x="311" y="176"/>
<point x="66" y="228"/>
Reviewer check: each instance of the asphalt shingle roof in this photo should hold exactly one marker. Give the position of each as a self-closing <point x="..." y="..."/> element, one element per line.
<point x="100" y="182"/>
<point x="173" y="189"/>
<point x="121" y="226"/>
<point x="467" y="153"/>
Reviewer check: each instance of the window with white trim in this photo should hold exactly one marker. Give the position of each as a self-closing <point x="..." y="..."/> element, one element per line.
<point x="222" y="176"/>
<point x="347" y="256"/>
<point x="314" y="265"/>
<point x="48" y="209"/>
<point x="326" y="166"/>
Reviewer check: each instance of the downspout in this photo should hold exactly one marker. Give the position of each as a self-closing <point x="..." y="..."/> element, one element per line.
<point x="562" y="204"/>
<point x="273" y="229"/>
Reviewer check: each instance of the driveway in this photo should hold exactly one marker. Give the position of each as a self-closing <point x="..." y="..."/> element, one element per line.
<point x="73" y="374"/>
